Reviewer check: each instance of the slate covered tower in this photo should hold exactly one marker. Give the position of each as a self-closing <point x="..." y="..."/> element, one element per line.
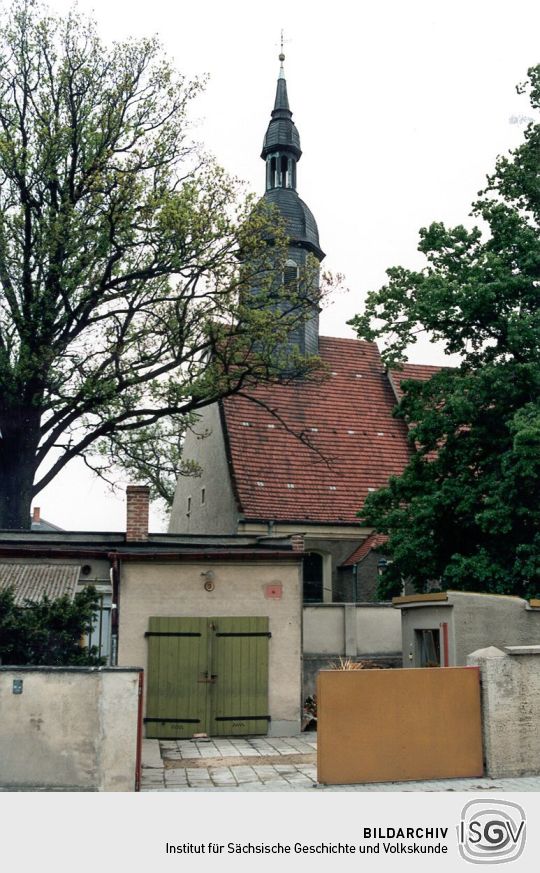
<point x="281" y="151"/>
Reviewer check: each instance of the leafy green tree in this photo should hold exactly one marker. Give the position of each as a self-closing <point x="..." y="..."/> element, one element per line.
<point x="123" y="307"/>
<point x="48" y="632"/>
<point x="466" y="511"/>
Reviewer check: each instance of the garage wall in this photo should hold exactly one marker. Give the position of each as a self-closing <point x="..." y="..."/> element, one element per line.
<point x="240" y="589"/>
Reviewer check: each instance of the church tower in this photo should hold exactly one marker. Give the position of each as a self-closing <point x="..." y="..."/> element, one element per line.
<point x="281" y="152"/>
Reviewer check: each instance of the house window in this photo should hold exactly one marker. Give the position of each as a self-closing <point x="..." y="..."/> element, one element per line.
<point x="428" y="647"/>
<point x="100" y="635"/>
<point x="313" y="578"/>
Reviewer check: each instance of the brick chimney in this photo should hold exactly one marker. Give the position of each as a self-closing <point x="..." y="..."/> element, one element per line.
<point x="36" y="515"/>
<point x="137" y="506"/>
<point x="297" y="542"/>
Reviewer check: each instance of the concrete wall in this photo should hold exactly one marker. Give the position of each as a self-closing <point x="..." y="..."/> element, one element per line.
<point x="161" y="589"/>
<point x="365" y="629"/>
<point x="474" y="621"/>
<point x="218" y="514"/>
<point x="492" y="620"/>
<point x="370" y="631"/>
<point x="510" y="709"/>
<point x="72" y="728"/>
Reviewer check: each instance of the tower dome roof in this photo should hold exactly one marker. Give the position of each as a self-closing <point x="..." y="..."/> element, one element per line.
<point x="281" y="133"/>
<point x="300" y="224"/>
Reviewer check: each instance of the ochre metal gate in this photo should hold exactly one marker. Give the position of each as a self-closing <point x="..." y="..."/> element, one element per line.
<point x="207" y="675"/>
<point x="395" y="725"/>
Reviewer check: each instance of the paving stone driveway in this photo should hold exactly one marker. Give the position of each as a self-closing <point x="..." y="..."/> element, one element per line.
<point x="272" y="764"/>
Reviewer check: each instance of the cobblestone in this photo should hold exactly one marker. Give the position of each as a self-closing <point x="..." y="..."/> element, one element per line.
<point x="254" y="772"/>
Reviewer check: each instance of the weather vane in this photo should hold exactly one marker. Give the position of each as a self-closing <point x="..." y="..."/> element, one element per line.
<point x="282" y="54"/>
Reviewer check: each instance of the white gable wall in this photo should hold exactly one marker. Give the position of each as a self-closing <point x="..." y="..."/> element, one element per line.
<point x="218" y="513"/>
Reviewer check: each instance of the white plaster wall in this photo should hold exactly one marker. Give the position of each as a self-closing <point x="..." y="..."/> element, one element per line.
<point x="324" y="630"/>
<point x="205" y="445"/>
<point x="118" y="714"/>
<point x="510" y="711"/>
<point x="378" y="629"/>
<point x="71" y="728"/>
<point x="177" y="590"/>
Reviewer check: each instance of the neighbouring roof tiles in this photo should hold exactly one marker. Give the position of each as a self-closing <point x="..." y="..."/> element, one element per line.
<point x="34" y="581"/>
<point x="371" y="542"/>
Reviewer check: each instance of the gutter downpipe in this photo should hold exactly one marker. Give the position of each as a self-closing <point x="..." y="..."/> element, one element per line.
<point x="355" y="583"/>
<point x="115" y="611"/>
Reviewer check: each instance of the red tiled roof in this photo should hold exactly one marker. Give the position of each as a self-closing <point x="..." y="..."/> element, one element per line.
<point x="421" y="372"/>
<point x="348" y="420"/>
<point x="371" y="542"/>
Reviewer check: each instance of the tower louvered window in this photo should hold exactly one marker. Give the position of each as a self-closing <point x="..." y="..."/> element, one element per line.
<point x="290" y="273"/>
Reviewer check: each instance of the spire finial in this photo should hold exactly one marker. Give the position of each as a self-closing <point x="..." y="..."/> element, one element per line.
<point x="281" y="59"/>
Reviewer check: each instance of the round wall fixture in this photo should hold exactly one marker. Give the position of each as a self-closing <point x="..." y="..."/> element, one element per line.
<point x="209" y="585"/>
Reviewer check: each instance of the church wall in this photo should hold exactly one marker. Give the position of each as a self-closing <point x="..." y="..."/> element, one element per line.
<point x="367" y="580"/>
<point x="339" y="550"/>
<point x="212" y="509"/>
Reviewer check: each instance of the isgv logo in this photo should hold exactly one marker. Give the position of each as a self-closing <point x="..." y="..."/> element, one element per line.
<point x="491" y="831"/>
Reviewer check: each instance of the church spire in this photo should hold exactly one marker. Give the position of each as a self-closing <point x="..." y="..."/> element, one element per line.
<point x="281" y="147"/>
<point x="281" y="152"/>
<point x="282" y="101"/>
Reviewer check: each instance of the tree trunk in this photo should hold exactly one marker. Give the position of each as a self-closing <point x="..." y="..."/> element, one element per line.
<point x="18" y="442"/>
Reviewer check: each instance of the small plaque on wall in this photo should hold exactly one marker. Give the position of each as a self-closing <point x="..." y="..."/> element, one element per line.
<point x="273" y="591"/>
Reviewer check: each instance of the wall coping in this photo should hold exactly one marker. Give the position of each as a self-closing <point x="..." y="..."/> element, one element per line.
<point x="360" y="656"/>
<point x="434" y="597"/>
<point x="378" y="605"/>
<point x="522" y="650"/>
<point x="35" y="668"/>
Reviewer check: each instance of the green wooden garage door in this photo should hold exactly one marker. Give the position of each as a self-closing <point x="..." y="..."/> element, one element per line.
<point x="207" y="675"/>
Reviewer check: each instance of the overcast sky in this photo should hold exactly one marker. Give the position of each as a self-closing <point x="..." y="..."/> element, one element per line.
<point x="402" y="108"/>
